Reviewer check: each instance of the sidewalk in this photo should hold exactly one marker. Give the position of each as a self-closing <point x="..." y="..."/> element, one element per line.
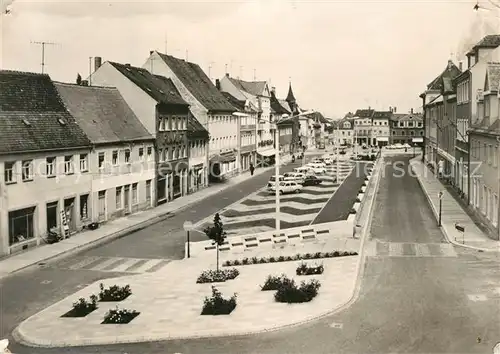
<point x="116" y="228"/>
<point x="452" y="212"/>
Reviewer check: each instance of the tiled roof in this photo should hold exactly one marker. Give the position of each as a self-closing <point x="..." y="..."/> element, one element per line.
<point x="255" y="88"/>
<point x="451" y="71"/>
<point x="489" y="41"/>
<point x="102" y="113"/>
<point x="198" y="84"/>
<point x="196" y="129"/>
<point x="493" y="77"/>
<point x="340" y="124"/>
<point x="33" y="117"/>
<point x="240" y="104"/>
<point x="161" y="89"/>
<point x="364" y="113"/>
<point x="407" y="117"/>
<point x="317" y="117"/>
<point x="382" y="115"/>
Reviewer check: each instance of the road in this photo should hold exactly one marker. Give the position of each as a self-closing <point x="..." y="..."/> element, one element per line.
<point x="27" y="292"/>
<point x="436" y="303"/>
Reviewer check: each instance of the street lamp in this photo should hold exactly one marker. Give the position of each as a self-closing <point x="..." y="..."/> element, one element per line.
<point x="188" y="226"/>
<point x="277" y="166"/>
<point x="440" y="207"/>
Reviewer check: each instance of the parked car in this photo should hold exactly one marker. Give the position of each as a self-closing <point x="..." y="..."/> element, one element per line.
<point x="272" y="180"/>
<point x="286" y="187"/>
<point x="311" y="181"/>
<point x="306" y="170"/>
<point x="317" y="168"/>
<point x="328" y="160"/>
<point x="294" y="177"/>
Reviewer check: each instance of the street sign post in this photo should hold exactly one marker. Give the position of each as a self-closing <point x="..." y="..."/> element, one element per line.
<point x="460" y="228"/>
<point x="440" y="207"/>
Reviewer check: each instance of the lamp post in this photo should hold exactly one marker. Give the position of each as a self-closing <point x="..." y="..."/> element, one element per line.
<point x="440" y="207"/>
<point x="337" y="152"/>
<point x="188" y="226"/>
<point x="277" y="169"/>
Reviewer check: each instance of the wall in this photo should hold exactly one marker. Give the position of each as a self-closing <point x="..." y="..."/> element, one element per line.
<point x="41" y="190"/>
<point x="223" y="129"/>
<point x="139" y="101"/>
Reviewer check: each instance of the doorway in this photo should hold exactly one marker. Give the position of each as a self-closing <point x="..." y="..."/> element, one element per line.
<point x="51" y="211"/>
<point x="102" y="205"/>
<point x="127" y="199"/>
<point x="69" y="209"/>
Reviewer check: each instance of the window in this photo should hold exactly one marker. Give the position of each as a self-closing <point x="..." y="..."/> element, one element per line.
<point x="174" y="152"/>
<point x="27" y="170"/>
<point x="174" y="123"/>
<point x="119" y="192"/>
<point x="100" y="160"/>
<point x="150" y="152"/>
<point x="166" y="155"/>
<point x="490" y="154"/>
<point x="68" y="164"/>
<point x="161" y="155"/>
<point x="50" y="166"/>
<point x="84" y="200"/>
<point x="148" y="191"/>
<point x="161" y="124"/>
<point x="114" y="157"/>
<point x="9" y="173"/>
<point x="84" y="162"/>
<point x="127" y="156"/>
<point x="21" y="226"/>
<point x="135" y="196"/>
<point x="141" y="154"/>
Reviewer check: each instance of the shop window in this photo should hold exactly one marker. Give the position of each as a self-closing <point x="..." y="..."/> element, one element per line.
<point x="52" y="215"/>
<point x="21" y="225"/>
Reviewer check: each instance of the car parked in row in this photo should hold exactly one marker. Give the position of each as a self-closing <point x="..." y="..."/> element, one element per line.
<point x="272" y="180"/>
<point x="286" y="187"/>
<point x="295" y="177"/>
<point x="318" y="168"/>
<point x="311" y="180"/>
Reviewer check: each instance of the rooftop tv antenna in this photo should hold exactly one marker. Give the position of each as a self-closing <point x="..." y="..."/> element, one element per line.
<point x="43" y="44"/>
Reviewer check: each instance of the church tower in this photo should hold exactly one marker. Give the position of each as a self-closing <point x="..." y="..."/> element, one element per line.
<point x="290" y="98"/>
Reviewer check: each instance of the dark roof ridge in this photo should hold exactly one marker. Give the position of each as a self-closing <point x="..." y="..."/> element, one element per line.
<point x="90" y="86"/>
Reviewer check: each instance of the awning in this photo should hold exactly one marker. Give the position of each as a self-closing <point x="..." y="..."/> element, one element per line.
<point x="383" y="138"/>
<point x="267" y="153"/>
<point x="417" y="140"/>
<point x="223" y="158"/>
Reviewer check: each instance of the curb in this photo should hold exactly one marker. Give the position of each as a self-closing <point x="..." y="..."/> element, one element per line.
<point x="124" y="232"/>
<point x="24" y="339"/>
<point x="443" y="229"/>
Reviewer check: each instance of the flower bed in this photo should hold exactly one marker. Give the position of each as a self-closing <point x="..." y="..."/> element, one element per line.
<point x="114" y="293"/>
<point x="217" y="276"/>
<point x="217" y="305"/>
<point x="304" y="269"/>
<point x="275" y="282"/>
<point x="82" y="307"/>
<point x="297" y="257"/>
<point x="119" y="316"/>
<point x="292" y="294"/>
<point x="352" y="211"/>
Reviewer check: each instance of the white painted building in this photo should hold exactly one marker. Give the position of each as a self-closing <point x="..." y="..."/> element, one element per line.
<point x="122" y="162"/>
<point x="44" y="163"/>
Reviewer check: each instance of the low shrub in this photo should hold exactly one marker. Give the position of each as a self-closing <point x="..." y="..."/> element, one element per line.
<point x="236" y="262"/>
<point x="255" y="260"/>
<point x="290" y="293"/>
<point x="317" y="255"/>
<point x="274" y="282"/>
<point x="304" y="269"/>
<point x="227" y="264"/>
<point x="214" y="276"/>
<point x="244" y="261"/>
<point x="263" y="260"/>
<point x="217" y="305"/>
<point x="352" y="211"/>
<point x="289" y="258"/>
<point x="114" y="293"/>
<point x="358" y="200"/>
<point x="297" y="257"/>
<point x="281" y="259"/>
<point x="82" y="307"/>
<point x="119" y="316"/>
<point x="272" y="259"/>
<point x="364" y="184"/>
<point x="307" y="256"/>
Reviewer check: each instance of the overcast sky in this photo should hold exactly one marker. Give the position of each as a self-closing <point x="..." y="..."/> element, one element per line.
<point x="340" y="55"/>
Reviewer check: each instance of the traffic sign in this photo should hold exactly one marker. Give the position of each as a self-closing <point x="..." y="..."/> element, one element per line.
<point x="440" y="195"/>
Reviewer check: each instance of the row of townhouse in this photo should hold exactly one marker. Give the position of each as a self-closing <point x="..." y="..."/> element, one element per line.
<point x="126" y="139"/>
<point x="379" y="128"/>
<point x="462" y="128"/>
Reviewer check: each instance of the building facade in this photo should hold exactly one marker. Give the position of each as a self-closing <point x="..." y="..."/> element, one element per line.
<point x="407" y="129"/>
<point x="163" y="112"/>
<point x="343" y="132"/>
<point x="122" y="159"/>
<point x="381" y="131"/>
<point x="208" y="105"/>
<point x="363" y="126"/>
<point x="45" y="179"/>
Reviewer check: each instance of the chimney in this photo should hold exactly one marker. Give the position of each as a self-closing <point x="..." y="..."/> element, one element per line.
<point x="151" y="52"/>
<point x="390" y="109"/>
<point x="217" y="84"/>
<point x="411" y="111"/>
<point x="395" y="109"/>
<point x="85" y="82"/>
<point x="127" y="64"/>
<point x="450" y="64"/>
<point x="460" y="65"/>
<point x="227" y="74"/>
<point x="97" y="63"/>
<point x="273" y="90"/>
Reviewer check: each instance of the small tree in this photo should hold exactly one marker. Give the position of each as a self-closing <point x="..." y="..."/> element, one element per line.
<point x="217" y="234"/>
<point x="78" y="79"/>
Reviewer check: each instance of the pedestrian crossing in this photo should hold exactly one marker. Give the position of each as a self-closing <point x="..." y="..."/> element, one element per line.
<point x="403" y="249"/>
<point x="112" y="264"/>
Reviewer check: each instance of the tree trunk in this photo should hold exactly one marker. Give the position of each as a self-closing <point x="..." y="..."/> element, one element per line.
<point x="217" y="257"/>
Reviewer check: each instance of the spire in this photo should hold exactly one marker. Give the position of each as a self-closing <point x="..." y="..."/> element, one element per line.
<point x="290" y="97"/>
